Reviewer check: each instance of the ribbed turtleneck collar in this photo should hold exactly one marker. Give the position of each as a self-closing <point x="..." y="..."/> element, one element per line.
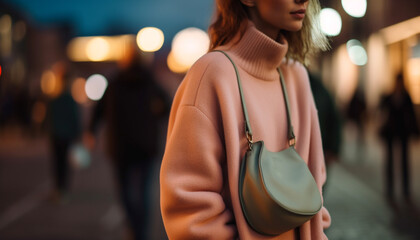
<point x="258" y="54"/>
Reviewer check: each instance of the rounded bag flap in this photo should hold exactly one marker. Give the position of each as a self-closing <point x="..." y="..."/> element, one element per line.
<point x="287" y="179"/>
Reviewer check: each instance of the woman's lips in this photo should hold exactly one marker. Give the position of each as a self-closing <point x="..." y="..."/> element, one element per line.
<point x="299" y="14"/>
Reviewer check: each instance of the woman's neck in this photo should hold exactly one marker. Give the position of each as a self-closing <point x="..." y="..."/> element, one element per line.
<point x="263" y="26"/>
<point x="257" y="53"/>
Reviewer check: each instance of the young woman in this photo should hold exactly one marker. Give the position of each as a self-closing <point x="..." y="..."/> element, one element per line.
<point x="206" y="139"/>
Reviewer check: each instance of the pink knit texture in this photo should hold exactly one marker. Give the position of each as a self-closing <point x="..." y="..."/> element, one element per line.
<point x="206" y="138"/>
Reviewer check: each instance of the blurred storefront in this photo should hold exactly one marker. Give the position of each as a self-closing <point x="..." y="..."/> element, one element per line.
<point x="371" y="50"/>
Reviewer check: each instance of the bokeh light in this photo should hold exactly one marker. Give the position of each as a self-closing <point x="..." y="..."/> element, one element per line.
<point x="51" y="85"/>
<point x="330" y="21"/>
<point x="78" y="90"/>
<point x="355" y="8"/>
<point x="48" y="82"/>
<point x="356" y="52"/>
<point x="0" y="70"/>
<point x="189" y="45"/>
<point x="79" y="156"/>
<point x="345" y="75"/>
<point x="175" y="66"/>
<point x="150" y="39"/>
<point x="95" y="87"/>
<point x="97" y="49"/>
<point x="5" y="24"/>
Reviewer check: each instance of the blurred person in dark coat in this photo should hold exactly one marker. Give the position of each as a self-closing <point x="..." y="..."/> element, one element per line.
<point x="64" y="124"/>
<point x="132" y="108"/>
<point x="330" y="121"/>
<point x="399" y="125"/>
<point x="357" y="113"/>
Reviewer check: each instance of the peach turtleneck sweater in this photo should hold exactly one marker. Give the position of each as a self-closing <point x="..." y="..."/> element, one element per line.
<point x="206" y="139"/>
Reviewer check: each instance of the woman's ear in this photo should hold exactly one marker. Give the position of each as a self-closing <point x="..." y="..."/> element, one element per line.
<point x="248" y="3"/>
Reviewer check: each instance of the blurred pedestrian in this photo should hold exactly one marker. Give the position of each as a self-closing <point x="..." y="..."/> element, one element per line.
<point x="63" y="119"/>
<point x="357" y="113"/>
<point x="206" y="138"/>
<point x="399" y="125"/>
<point x="132" y="107"/>
<point x="330" y="120"/>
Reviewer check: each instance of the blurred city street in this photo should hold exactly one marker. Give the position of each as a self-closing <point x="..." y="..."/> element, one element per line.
<point x="90" y="211"/>
<point x="355" y="193"/>
<point x="104" y="73"/>
<point x="354" y="196"/>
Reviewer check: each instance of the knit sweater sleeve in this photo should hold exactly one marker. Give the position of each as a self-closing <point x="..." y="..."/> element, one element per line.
<point x="317" y="164"/>
<point x="191" y="176"/>
<point x="313" y="229"/>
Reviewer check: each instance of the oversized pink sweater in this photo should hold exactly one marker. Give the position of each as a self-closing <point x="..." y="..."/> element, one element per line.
<point x="206" y="139"/>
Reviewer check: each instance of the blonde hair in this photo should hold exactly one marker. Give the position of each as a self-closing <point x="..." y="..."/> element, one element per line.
<point x="231" y="14"/>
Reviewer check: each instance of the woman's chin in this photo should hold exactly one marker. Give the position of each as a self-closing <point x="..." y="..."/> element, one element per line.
<point x="294" y="28"/>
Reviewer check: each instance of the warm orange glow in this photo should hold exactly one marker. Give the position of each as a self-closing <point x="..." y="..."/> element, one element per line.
<point x="189" y="45"/>
<point x="150" y="39"/>
<point x="175" y="66"/>
<point x="51" y="85"/>
<point x="345" y="75"/>
<point x="39" y="112"/>
<point x="5" y="24"/>
<point x="415" y="90"/>
<point x="48" y="82"/>
<point x="97" y="49"/>
<point x="78" y="90"/>
<point x="378" y="75"/>
<point x="401" y="31"/>
<point x="83" y="49"/>
<point x="6" y="35"/>
<point x="413" y="83"/>
<point x="414" y="68"/>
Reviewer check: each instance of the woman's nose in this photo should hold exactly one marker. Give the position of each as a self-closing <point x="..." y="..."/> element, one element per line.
<point x="301" y="1"/>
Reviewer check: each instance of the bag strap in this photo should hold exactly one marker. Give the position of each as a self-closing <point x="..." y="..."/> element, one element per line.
<point x="291" y="133"/>
<point x="248" y="131"/>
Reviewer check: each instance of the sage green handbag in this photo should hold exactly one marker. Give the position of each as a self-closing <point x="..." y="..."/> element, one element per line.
<point x="276" y="189"/>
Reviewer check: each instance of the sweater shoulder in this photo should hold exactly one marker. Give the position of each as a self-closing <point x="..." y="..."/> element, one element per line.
<point x="299" y="74"/>
<point x="300" y="79"/>
<point x="207" y="74"/>
<point x="298" y="70"/>
<point x="215" y="62"/>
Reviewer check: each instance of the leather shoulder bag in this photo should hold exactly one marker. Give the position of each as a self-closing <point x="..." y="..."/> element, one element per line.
<point x="277" y="191"/>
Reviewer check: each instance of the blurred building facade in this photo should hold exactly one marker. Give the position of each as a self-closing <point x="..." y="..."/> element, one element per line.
<point x="390" y="34"/>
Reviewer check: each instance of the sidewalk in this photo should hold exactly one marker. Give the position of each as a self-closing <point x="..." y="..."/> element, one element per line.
<point x="91" y="211"/>
<point x="354" y="196"/>
<point x="359" y="212"/>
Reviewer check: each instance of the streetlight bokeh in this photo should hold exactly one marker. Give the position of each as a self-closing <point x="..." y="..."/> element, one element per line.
<point x="189" y="45"/>
<point x="355" y="8"/>
<point x="330" y="21"/>
<point x="150" y="39"/>
<point x="357" y="52"/>
<point x="95" y="87"/>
